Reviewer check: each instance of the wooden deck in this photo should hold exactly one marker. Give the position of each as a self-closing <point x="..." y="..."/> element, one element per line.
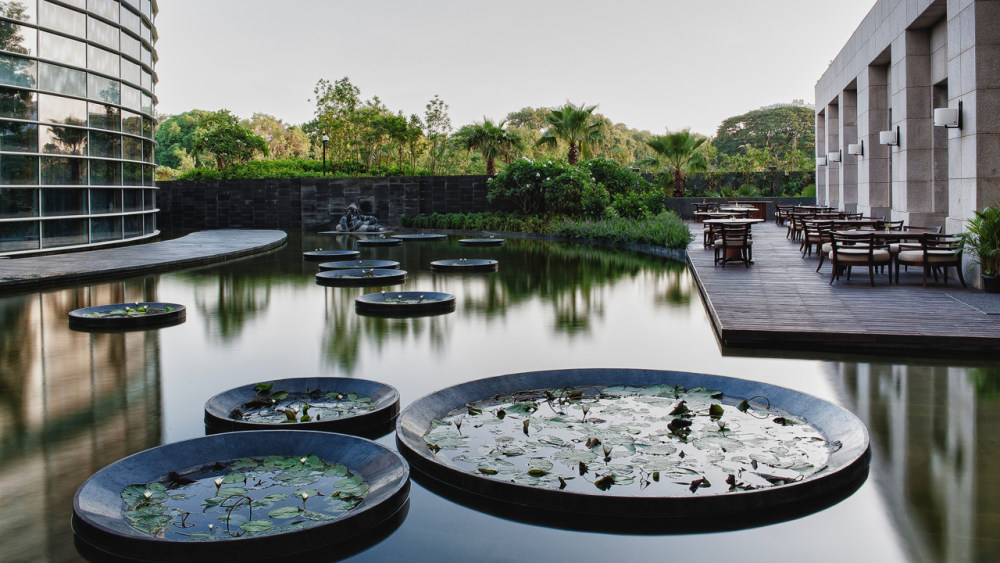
<point x="782" y="302"/>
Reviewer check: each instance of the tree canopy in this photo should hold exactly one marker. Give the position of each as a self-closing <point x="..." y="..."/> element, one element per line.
<point x="576" y="126"/>
<point x="777" y="131"/>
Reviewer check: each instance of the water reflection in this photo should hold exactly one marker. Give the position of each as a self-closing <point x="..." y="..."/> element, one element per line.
<point x="70" y="403"/>
<point x="935" y="452"/>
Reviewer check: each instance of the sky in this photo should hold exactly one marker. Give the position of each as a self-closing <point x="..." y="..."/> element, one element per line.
<point x="656" y="65"/>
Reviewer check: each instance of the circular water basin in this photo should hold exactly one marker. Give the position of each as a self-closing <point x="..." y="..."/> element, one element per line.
<point x="481" y="242"/>
<point x="360" y="277"/>
<point x="359" y="264"/>
<point x="322" y="255"/>
<point x="421" y="237"/>
<point x="127" y="316"/>
<point x="388" y="241"/>
<point x="464" y="265"/>
<point x="404" y="303"/>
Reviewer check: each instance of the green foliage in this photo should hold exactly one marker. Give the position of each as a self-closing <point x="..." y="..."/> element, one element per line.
<point x="576" y="126"/>
<point x="492" y="140"/>
<point x="681" y="154"/>
<point x="615" y="177"/>
<point x="490" y="221"/>
<point x="983" y="240"/>
<point x="777" y="131"/>
<point x="295" y="168"/>
<point x="809" y="191"/>
<point x="564" y="193"/>
<point x="178" y="136"/>
<point x="549" y="187"/>
<point x="629" y="205"/>
<point x="665" y="229"/>
<point x="229" y="141"/>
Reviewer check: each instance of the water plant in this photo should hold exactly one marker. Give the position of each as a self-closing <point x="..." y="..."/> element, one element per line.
<point x="283" y="407"/>
<point x="136" y="310"/>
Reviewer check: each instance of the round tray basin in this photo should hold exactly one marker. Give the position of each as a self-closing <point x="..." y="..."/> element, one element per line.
<point x="844" y="436"/>
<point x="323" y="255"/>
<point x="371" y="422"/>
<point x="404" y="303"/>
<point x="421" y="237"/>
<point x="481" y="242"/>
<point x="389" y="241"/>
<point x="127" y="316"/>
<point x="359" y="264"/>
<point x="98" y="507"/>
<point x="464" y="265"/>
<point x="360" y="277"/>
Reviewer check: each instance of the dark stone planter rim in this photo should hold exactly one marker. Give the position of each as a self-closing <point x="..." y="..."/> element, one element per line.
<point x="320" y="255"/>
<point x="469" y="265"/>
<point x="333" y="278"/>
<point x="481" y="242"/>
<point x="78" y="320"/>
<point x="359" y="264"/>
<point x="374" y="304"/>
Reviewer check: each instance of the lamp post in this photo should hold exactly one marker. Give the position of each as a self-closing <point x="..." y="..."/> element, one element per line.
<point x="326" y="139"/>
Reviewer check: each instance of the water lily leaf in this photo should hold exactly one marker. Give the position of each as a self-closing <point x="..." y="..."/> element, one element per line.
<point x="574" y="457"/>
<point x="715" y="410"/>
<point x="540" y="463"/>
<point x="200" y="536"/>
<point x="234" y="478"/>
<point x="226" y="492"/>
<point x="285" y="512"/>
<point x="335" y="471"/>
<point x="446" y="440"/>
<point x="525" y="408"/>
<point x="349" y="483"/>
<point x="243" y="464"/>
<point x="135" y="495"/>
<point x="307" y="493"/>
<point x="269" y="500"/>
<point x="605" y="482"/>
<point x="279" y="395"/>
<point x="256" y="526"/>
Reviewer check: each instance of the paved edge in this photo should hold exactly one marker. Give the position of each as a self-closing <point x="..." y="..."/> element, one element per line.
<point x="195" y="249"/>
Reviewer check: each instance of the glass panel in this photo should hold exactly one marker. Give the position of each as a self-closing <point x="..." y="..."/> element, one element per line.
<point x="105" y="117"/>
<point x="62" y="19"/>
<point x="105" y="173"/>
<point x="133" y="148"/>
<point x="149" y="223"/>
<point x="18" y="38"/>
<point x="146" y="34"/>
<point x="130" y="46"/>
<point x="102" y="33"/>
<point x="133" y="200"/>
<point x="130" y="20"/>
<point x="147" y="80"/>
<point x="65" y="232"/>
<point x="22" y="235"/>
<point x="130" y="71"/>
<point x="147" y="127"/>
<point x="21" y="11"/>
<point x="19" y="104"/>
<point x="147" y="151"/>
<point x="18" y="170"/>
<point x="149" y="200"/>
<point x="62" y="80"/>
<point x="107" y="9"/>
<point x="133" y="3"/>
<point x="18" y="137"/>
<point x="147" y="108"/>
<point x="82" y="4"/>
<point x="105" y="144"/>
<point x="133" y="226"/>
<point x="65" y="111"/>
<point x="18" y="202"/>
<point x="103" y="89"/>
<point x="148" y="175"/>
<point x="63" y="140"/>
<point x="58" y="171"/>
<point x="62" y="49"/>
<point x="132" y="173"/>
<point x="130" y="97"/>
<point x="131" y="123"/>
<point x="147" y="57"/>
<point x="104" y="200"/>
<point x="105" y="228"/>
<point x="102" y="60"/>
<point x="17" y="71"/>
<point x="58" y="201"/>
<point x="147" y="9"/>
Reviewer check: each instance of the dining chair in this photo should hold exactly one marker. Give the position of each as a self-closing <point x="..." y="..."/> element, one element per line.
<point x="889" y="225"/>
<point x="734" y="244"/>
<point x="848" y="250"/>
<point x="935" y="252"/>
<point x="815" y="233"/>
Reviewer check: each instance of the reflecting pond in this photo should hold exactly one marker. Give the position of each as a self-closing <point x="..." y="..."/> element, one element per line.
<point x="73" y="402"/>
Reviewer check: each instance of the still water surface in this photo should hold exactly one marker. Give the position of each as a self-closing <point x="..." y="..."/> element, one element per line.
<point x="73" y="402"/>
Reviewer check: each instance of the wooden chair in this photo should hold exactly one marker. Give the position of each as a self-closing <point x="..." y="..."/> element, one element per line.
<point x="815" y="233"/>
<point x="889" y="225"/>
<point x="935" y="252"/>
<point x="850" y="250"/>
<point x="734" y="244"/>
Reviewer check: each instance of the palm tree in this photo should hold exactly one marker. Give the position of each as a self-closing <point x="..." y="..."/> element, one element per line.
<point x="492" y="140"/>
<point x="681" y="153"/>
<point x="576" y="126"/>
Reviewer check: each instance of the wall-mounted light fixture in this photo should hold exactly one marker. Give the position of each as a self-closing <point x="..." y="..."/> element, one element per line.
<point x="833" y="157"/>
<point x="820" y="161"/>
<point x="948" y="117"/>
<point x="857" y="149"/>
<point x="890" y="137"/>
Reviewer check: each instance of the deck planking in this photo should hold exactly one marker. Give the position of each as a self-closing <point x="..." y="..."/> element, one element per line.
<point x="780" y="301"/>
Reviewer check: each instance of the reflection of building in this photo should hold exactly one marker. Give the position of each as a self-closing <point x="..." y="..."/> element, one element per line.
<point x="70" y="404"/>
<point x="880" y="149"/>
<point x="934" y="455"/>
<point x="76" y="123"/>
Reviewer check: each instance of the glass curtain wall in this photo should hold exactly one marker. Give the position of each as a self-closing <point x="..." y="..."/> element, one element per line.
<point x="77" y="99"/>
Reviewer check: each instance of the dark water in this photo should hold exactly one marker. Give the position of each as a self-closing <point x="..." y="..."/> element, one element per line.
<point x="73" y="402"/>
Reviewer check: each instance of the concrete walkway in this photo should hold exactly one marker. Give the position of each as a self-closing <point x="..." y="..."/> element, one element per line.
<point x="26" y="274"/>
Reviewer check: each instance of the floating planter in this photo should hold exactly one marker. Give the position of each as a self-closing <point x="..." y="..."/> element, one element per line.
<point x="360" y="277"/>
<point x="127" y="316"/>
<point x="481" y="242"/>
<point x="362" y="264"/>
<point x="464" y="265"/>
<point x="421" y="237"/>
<point x="240" y="496"/>
<point x="322" y="255"/>
<point x="357" y="234"/>
<point x="621" y="443"/>
<point x="333" y="404"/>
<point x="404" y="303"/>
<point x="390" y="241"/>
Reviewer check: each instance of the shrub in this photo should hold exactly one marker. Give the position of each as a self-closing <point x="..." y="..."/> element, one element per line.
<point x="665" y="229"/>
<point x="629" y="205"/>
<point x="616" y="178"/>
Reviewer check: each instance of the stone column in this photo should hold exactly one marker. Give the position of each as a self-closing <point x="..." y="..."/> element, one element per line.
<point x="832" y="142"/>
<point x="873" y="165"/>
<point x="821" y="185"/>
<point x="848" y="103"/>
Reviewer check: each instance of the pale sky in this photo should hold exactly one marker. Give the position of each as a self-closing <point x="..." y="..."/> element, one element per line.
<point x="650" y="64"/>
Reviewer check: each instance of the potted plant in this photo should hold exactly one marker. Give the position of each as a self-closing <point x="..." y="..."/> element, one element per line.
<point x="982" y="239"/>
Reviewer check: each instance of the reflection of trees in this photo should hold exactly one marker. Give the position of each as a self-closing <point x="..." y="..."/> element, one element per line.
<point x="237" y="299"/>
<point x="15" y="361"/>
<point x="934" y="453"/>
<point x="10" y="34"/>
<point x="67" y="140"/>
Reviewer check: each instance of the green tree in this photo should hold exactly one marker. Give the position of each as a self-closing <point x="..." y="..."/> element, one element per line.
<point x="437" y="127"/>
<point x="680" y="153"/>
<point x="228" y="140"/>
<point x="576" y="126"/>
<point x="492" y="140"/>
<point x="283" y="141"/>
<point x="778" y="131"/>
<point x="178" y="136"/>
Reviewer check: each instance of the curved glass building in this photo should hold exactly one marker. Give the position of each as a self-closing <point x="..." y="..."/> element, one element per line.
<point x="76" y="123"/>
